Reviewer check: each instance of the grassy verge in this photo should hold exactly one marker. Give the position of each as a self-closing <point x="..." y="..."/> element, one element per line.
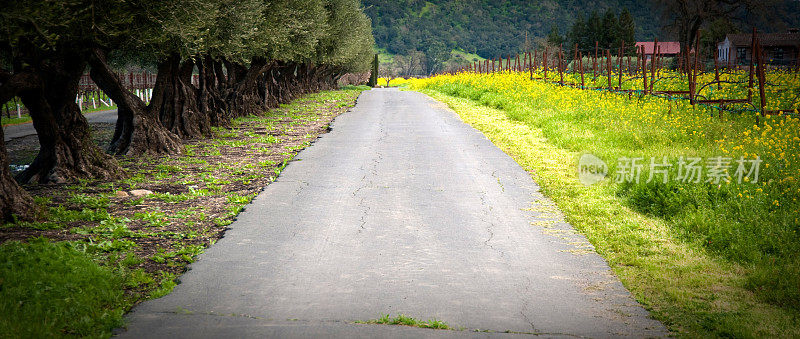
<point x="98" y="248"/>
<point x="684" y="282"/>
<point x="6" y="121"/>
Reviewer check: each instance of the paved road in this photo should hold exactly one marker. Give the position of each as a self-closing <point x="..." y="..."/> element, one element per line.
<point x="402" y="208"/>
<point x="24" y="130"/>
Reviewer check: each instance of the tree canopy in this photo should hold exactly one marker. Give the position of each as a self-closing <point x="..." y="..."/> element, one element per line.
<point x="247" y="54"/>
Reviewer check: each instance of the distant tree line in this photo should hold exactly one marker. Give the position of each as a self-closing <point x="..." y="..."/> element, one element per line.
<point x="493" y="28"/>
<point x="606" y="32"/>
<point x="249" y="55"/>
<point x="487" y="28"/>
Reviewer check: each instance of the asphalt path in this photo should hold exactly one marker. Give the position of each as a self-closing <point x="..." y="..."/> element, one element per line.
<point x="24" y="130"/>
<point x="400" y="209"/>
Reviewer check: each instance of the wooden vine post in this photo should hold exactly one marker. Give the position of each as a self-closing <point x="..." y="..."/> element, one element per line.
<point x="620" y="57"/>
<point x="653" y="62"/>
<point x="761" y="76"/>
<point x="594" y="61"/>
<point x="580" y="63"/>
<point x="689" y="74"/>
<point x="693" y="71"/>
<point x="716" y="74"/>
<point x="561" y="63"/>
<point x="643" y="63"/>
<point x="608" y="67"/>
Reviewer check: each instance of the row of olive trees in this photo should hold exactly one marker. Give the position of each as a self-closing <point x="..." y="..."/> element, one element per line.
<point x="249" y="54"/>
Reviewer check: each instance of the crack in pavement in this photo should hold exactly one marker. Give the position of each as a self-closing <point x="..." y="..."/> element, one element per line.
<point x="363" y="215"/>
<point x="494" y="174"/>
<point x="183" y="311"/>
<point x="486" y="218"/>
<point x="375" y="161"/>
<point x="446" y="240"/>
<point x="525" y="316"/>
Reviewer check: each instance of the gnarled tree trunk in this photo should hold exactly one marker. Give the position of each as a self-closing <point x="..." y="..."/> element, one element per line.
<point x="281" y="80"/>
<point x="67" y="150"/>
<point x="211" y="91"/>
<point x="175" y="100"/>
<point x="138" y="131"/>
<point x="245" y="98"/>
<point x="14" y="201"/>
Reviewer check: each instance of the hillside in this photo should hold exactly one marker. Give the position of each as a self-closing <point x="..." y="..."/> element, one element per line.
<point x="482" y="26"/>
<point x="489" y="28"/>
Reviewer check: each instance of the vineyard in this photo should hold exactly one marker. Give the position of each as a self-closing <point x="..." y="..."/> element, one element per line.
<point x="602" y="187"/>
<point x="91" y="97"/>
<point x="739" y="88"/>
<point x="739" y="126"/>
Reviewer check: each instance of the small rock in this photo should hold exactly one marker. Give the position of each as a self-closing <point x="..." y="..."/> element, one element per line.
<point x="121" y="194"/>
<point x="140" y="193"/>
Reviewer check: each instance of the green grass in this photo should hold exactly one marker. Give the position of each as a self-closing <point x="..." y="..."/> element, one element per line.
<point x="685" y="282"/>
<point x="404" y="320"/>
<point x="384" y="57"/>
<point x="467" y="57"/>
<point x="752" y="224"/>
<point x="354" y="88"/>
<point x="5" y="121"/>
<point x="49" y="289"/>
<point x="82" y="287"/>
<point x="153" y="218"/>
<point x="90" y="201"/>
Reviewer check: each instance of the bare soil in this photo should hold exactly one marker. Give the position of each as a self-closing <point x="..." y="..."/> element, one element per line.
<point x="195" y="194"/>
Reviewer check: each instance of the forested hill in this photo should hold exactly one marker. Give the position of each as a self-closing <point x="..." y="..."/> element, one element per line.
<point x="493" y="27"/>
<point x="487" y="27"/>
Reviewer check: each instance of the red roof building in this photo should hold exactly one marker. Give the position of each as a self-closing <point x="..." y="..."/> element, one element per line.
<point x="665" y="48"/>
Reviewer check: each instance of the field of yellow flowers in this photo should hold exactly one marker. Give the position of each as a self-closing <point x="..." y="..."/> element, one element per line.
<point x="394" y="82"/>
<point x="723" y="185"/>
<point x="781" y="90"/>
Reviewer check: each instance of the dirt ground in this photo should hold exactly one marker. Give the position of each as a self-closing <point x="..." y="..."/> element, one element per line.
<point x="195" y="195"/>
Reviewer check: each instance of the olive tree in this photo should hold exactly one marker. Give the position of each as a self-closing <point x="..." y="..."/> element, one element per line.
<point x="44" y="46"/>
